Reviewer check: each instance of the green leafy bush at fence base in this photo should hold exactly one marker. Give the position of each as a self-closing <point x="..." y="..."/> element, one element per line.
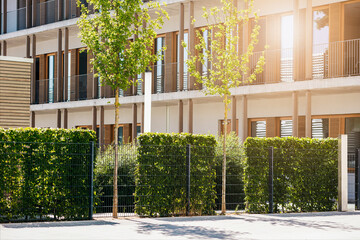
<point x="161" y="174"/>
<point x="305" y="174"/>
<point x="44" y="173"/>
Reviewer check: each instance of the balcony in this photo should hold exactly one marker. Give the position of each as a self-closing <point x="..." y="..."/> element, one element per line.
<point x="334" y="60"/>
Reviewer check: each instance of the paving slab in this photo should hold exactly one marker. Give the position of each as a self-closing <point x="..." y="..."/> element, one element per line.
<point x="329" y="225"/>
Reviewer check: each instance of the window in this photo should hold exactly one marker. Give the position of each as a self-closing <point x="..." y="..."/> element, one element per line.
<point x="82" y="78"/>
<point x="67" y="78"/>
<point x="206" y="66"/>
<point x="139" y="84"/>
<point x="320" y="41"/>
<point x="50" y="77"/>
<point x="286" y="128"/>
<point x="258" y="128"/>
<point x="287" y="43"/>
<point x="320" y="128"/>
<point x="159" y="69"/>
<point x="178" y="46"/>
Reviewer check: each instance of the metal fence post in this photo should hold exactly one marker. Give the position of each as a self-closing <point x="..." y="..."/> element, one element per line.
<point x="271" y="179"/>
<point x="188" y="172"/>
<point x="357" y="179"/>
<point x="91" y="176"/>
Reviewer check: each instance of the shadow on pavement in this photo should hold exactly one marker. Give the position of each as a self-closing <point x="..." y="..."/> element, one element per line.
<point x="192" y="232"/>
<point x="59" y="224"/>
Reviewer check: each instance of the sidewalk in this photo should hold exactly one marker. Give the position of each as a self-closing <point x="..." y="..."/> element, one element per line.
<point x="329" y="225"/>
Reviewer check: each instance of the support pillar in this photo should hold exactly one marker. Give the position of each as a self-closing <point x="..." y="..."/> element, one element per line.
<point x="181" y="116"/>
<point x="233" y="114"/>
<point x="134" y="122"/>
<point x="4" y="51"/>
<point x="245" y="118"/>
<point x="60" y="9"/>
<point x="343" y="174"/>
<point x="191" y="79"/>
<point x="295" y="115"/>
<point x="66" y="64"/>
<point x="4" y="19"/>
<point x="309" y="40"/>
<point x="33" y="72"/>
<point x="67" y="10"/>
<point x="33" y="23"/>
<point x="28" y="13"/>
<point x="308" y="131"/>
<point x="58" y="118"/>
<point x="191" y="116"/>
<point x="32" y="119"/>
<point x="181" y="50"/>
<point x="59" y="87"/>
<point x="142" y="117"/>
<point x="102" y="126"/>
<point x="94" y="118"/>
<point x="27" y="47"/>
<point x="296" y="40"/>
<point x="65" y="118"/>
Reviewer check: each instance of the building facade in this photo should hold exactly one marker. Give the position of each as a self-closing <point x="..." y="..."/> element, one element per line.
<point x="310" y="85"/>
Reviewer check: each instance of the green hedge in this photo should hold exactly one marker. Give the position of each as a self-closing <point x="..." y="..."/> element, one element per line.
<point x="305" y="174"/>
<point x="44" y="173"/>
<point x="161" y="174"/>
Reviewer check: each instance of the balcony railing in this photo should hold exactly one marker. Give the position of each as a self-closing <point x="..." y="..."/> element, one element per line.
<point x="339" y="59"/>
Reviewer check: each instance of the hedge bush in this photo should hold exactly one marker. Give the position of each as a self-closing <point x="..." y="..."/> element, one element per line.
<point x="44" y="173"/>
<point x="305" y="174"/>
<point x="161" y="174"/>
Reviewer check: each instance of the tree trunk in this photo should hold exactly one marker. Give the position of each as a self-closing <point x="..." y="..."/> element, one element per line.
<point x="115" y="194"/>
<point x="223" y="195"/>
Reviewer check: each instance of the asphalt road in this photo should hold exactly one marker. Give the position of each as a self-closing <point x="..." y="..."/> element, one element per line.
<point x="332" y="225"/>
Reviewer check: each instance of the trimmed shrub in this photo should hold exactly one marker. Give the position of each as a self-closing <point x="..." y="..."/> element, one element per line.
<point x="161" y="174"/>
<point x="305" y="174"/>
<point x="44" y="173"/>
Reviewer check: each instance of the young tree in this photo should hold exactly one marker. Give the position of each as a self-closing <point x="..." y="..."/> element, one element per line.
<point x="218" y="52"/>
<point x="120" y="36"/>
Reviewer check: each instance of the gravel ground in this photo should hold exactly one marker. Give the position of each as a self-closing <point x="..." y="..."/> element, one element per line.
<point x="329" y="225"/>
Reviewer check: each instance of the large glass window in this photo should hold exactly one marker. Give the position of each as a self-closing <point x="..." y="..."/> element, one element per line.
<point x="287" y="44"/>
<point x="286" y="128"/>
<point x="67" y="78"/>
<point x="159" y="69"/>
<point x="51" y="77"/>
<point x="258" y="129"/>
<point x="82" y="75"/>
<point x="320" y="41"/>
<point x="320" y="128"/>
<point x="178" y="46"/>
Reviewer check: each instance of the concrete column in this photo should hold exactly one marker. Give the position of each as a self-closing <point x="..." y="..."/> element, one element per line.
<point x="1" y="21"/>
<point x="308" y="115"/>
<point x="4" y="50"/>
<point x="94" y="118"/>
<point x="4" y="18"/>
<point x="343" y="174"/>
<point x="295" y="115"/>
<point x="34" y="15"/>
<point x="191" y="116"/>
<point x="27" y="44"/>
<point x="102" y="126"/>
<point x="142" y="117"/>
<point x="33" y="71"/>
<point x="309" y="39"/>
<point x="66" y="63"/>
<point x="245" y="118"/>
<point x="58" y="118"/>
<point x="32" y="119"/>
<point x="191" y="79"/>
<point x="233" y="114"/>
<point x="60" y="10"/>
<point x="134" y="122"/>
<point x="181" y="116"/>
<point x="65" y="118"/>
<point x="67" y="10"/>
<point x="181" y="49"/>
<point x="28" y="13"/>
<point x="296" y="59"/>
<point x="59" y="81"/>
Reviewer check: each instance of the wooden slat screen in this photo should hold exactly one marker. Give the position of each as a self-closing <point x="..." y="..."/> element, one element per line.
<point x="14" y="93"/>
